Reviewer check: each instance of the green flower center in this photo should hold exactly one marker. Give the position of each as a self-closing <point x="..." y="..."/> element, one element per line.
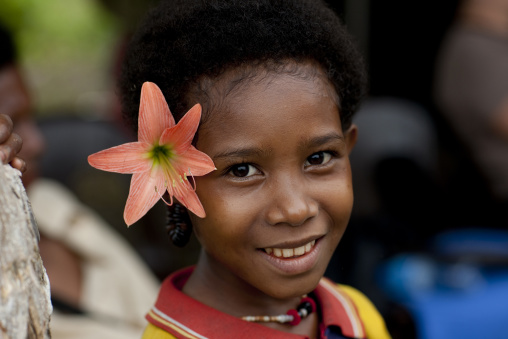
<point x="161" y="154"/>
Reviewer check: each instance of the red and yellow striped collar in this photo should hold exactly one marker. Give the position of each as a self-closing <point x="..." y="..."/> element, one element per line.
<point x="185" y="317"/>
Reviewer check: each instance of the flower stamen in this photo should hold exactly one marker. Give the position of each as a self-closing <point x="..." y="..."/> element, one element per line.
<point x="162" y="197"/>
<point x="193" y="185"/>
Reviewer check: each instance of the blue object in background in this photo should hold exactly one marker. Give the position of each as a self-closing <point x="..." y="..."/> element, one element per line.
<point x="459" y="290"/>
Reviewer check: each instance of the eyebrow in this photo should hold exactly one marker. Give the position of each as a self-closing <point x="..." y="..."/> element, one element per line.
<point x="241" y="153"/>
<point x="322" y="140"/>
<point x="253" y="151"/>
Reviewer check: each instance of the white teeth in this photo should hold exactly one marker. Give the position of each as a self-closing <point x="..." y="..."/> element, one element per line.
<point x="290" y="252"/>
<point x="307" y="247"/>
<point x="300" y="250"/>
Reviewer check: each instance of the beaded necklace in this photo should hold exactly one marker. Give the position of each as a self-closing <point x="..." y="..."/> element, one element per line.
<point x="292" y="317"/>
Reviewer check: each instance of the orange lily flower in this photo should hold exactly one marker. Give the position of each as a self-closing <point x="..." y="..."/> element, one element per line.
<point x="161" y="160"/>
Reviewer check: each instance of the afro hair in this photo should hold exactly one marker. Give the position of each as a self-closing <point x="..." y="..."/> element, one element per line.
<point x="181" y="41"/>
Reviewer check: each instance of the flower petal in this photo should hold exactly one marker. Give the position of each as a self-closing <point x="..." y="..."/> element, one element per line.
<point x="154" y="114"/>
<point x="126" y="158"/>
<point x="144" y="192"/>
<point x="181" y="135"/>
<point x="189" y="199"/>
<point x="197" y="162"/>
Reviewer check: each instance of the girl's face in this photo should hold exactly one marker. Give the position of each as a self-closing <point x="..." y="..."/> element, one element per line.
<point x="281" y="197"/>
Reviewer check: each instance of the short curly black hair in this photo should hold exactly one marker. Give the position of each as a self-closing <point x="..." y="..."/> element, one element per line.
<point x="181" y="42"/>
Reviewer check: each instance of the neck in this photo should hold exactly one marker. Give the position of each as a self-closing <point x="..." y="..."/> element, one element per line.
<point x="217" y="287"/>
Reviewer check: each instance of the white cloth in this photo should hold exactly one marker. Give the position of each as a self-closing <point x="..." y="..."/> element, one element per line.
<point x="118" y="288"/>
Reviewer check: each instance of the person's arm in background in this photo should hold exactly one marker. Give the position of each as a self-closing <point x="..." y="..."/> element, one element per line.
<point x="10" y="144"/>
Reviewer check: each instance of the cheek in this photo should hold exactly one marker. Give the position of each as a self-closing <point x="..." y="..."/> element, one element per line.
<point x="222" y="202"/>
<point x="337" y="199"/>
<point x="230" y="217"/>
<point x="219" y="212"/>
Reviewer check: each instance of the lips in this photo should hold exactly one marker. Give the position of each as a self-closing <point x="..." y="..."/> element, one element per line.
<point x="290" y="252"/>
<point x="289" y="259"/>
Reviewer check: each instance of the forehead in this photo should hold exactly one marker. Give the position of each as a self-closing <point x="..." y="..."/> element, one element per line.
<point x="216" y="93"/>
<point x="267" y="109"/>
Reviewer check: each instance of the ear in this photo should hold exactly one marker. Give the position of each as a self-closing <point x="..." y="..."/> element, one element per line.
<point x="350" y="136"/>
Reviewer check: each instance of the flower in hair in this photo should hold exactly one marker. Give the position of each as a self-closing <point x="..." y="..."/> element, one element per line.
<point x="162" y="159"/>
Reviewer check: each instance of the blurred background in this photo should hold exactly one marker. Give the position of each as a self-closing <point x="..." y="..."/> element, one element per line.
<point x="427" y="240"/>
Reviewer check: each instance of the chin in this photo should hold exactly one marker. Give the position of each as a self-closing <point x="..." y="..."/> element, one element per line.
<point x="296" y="286"/>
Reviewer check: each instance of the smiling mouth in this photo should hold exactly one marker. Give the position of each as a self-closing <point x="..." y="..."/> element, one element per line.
<point x="290" y="252"/>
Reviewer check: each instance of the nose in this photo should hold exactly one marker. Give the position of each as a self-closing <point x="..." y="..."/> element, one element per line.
<point x="291" y="202"/>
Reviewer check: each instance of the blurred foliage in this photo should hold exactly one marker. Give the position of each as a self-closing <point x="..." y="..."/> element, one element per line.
<point x="57" y="26"/>
<point x="130" y="11"/>
<point x="66" y="47"/>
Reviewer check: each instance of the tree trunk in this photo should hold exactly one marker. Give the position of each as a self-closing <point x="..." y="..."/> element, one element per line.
<point x="25" y="305"/>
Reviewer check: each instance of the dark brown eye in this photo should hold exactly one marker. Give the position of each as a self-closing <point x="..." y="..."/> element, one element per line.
<point x="243" y="170"/>
<point x="318" y="158"/>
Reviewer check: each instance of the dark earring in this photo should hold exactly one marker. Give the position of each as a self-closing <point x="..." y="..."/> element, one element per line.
<point x="179" y="226"/>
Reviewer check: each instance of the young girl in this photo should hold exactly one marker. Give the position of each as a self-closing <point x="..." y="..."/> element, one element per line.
<point x="278" y="82"/>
